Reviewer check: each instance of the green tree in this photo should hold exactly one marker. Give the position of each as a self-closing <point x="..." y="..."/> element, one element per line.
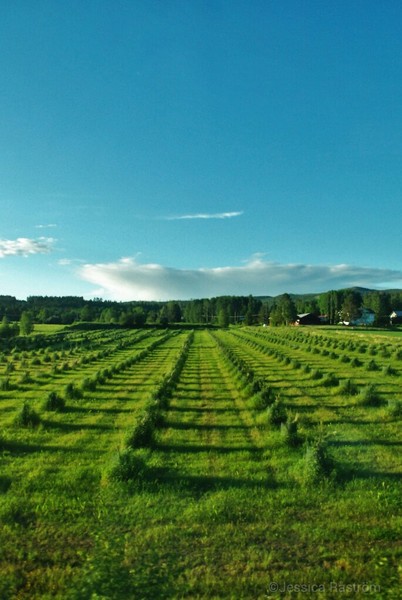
<point x="379" y="302"/>
<point x="351" y="306"/>
<point x="163" y="316"/>
<point x="330" y="305"/>
<point x="223" y="317"/>
<point x="287" y="309"/>
<point x="263" y="315"/>
<point x="8" y="330"/>
<point x="86" y="313"/>
<point x="139" y="317"/>
<point x="26" y="323"/>
<point x="275" y="317"/>
<point x="253" y="309"/>
<point x="173" y="312"/>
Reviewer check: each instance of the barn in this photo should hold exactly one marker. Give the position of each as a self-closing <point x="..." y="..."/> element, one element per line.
<point x="307" y="319"/>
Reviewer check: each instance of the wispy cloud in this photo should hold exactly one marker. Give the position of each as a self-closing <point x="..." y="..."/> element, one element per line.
<point x="25" y="246"/>
<point x="127" y="279"/>
<point x="223" y="215"/>
<point x="49" y="226"/>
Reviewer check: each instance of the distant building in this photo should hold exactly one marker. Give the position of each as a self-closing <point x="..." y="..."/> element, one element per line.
<point x="308" y="319"/>
<point x="395" y="317"/>
<point x="367" y="317"/>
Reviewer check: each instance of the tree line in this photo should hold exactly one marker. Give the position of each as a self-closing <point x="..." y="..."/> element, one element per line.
<point x="335" y="305"/>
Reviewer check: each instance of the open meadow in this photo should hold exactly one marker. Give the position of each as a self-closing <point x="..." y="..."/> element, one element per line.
<point x="225" y="463"/>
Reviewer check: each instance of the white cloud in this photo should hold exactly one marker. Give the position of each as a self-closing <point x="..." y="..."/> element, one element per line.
<point x="25" y="246"/>
<point x="127" y="279"/>
<point x="48" y="226"/>
<point x="223" y="215"/>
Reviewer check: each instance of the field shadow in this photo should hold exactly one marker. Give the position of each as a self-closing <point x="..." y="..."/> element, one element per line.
<point x="368" y="474"/>
<point x="205" y="409"/>
<point x="94" y="410"/>
<point x="75" y="426"/>
<point x="204" y="483"/>
<point x="300" y="407"/>
<point x="343" y="421"/>
<point x="197" y="448"/>
<point x="349" y="472"/>
<point x="17" y="448"/>
<point x="5" y="484"/>
<point x="202" y="426"/>
<point x="352" y="443"/>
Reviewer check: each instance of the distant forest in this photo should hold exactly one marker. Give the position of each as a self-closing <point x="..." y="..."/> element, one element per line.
<point x="334" y="305"/>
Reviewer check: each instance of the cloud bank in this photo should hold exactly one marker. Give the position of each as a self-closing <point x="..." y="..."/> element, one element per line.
<point x="127" y="279"/>
<point x="25" y="246"/>
<point x="223" y="215"/>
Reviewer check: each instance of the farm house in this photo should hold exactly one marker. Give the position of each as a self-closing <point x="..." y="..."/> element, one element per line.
<point x="395" y="317"/>
<point x="307" y="319"/>
<point x="367" y="317"/>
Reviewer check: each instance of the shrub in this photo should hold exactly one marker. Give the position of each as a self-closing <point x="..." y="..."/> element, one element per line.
<point x="72" y="392"/>
<point x="54" y="402"/>
<point x="143" y="431"/>
<point x="289" y="431"/>
<point x="88" y="384"/>
<point x="316" y="374"/>
<point x="5" y="385"/>
<point x="372" y="366"/>
<point x="276" y="413"/>
<point x="25" y="378"/>
<point x="264" y="398"/>
<point x="388" y="370"/>
<point x="355" y="362"/>
<point x="394" y="407"/>
<point x="127" y="467"/>
<point x="100" y="378"/>
<point x="257" y="385"/>
<point x="348" y="388"/>
<point x="316" y="464"/>
<point x="345" y="358"/>
<point x="330" y="380"/>
<point x="369" y="396"/>
<point x="27" y="417"/>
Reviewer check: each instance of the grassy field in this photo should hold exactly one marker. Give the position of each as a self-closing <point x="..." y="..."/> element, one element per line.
<point x="241" y="463"/>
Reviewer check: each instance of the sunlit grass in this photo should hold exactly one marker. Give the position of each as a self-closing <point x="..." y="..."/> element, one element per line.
<point x="220" y="504"/>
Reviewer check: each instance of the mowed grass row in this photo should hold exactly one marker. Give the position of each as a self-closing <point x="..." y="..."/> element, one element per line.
<point x="51" y="475"/>
<point x="209" y="434"/>
<point x="49" y="365"/>
<point x="84" y="374"/>
<point x="364" y="439"/>
<point x="220" y="507"/>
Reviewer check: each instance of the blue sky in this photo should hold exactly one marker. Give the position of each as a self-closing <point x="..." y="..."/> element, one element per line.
<point x="191" y="148"/>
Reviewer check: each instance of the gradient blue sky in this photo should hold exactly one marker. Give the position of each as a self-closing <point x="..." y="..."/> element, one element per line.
<point x="191" y="148"/>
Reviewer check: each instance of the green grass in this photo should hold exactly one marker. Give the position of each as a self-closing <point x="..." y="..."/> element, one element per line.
<point x="220" y="504"/>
